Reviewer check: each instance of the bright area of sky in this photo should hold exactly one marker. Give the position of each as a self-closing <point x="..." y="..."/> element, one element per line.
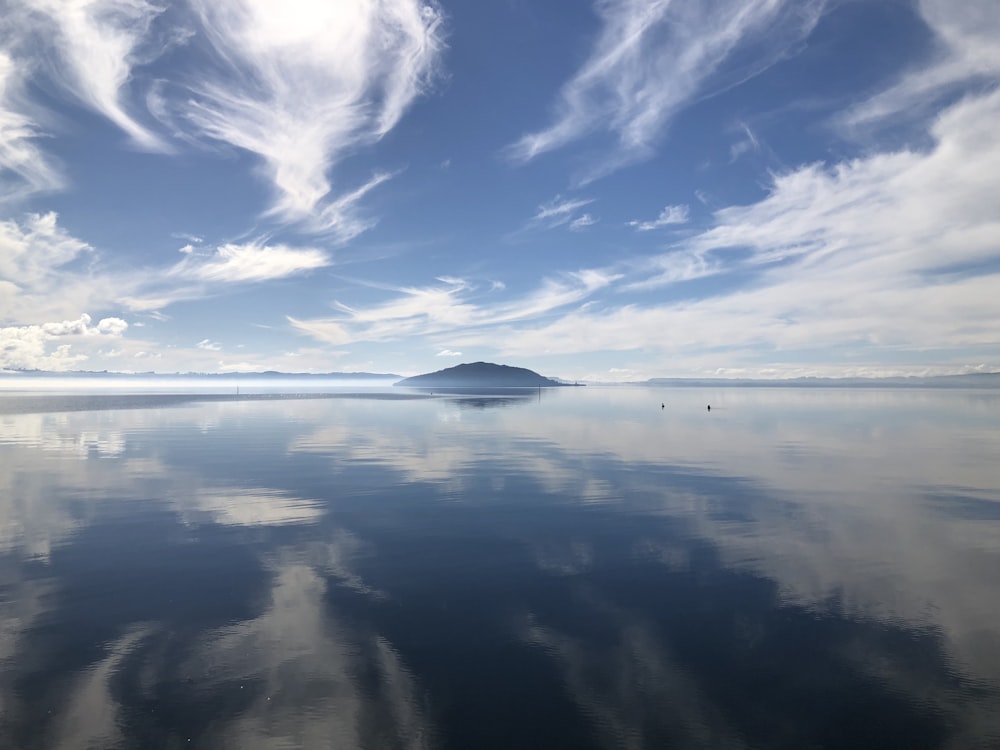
<point x="607" y="190"/>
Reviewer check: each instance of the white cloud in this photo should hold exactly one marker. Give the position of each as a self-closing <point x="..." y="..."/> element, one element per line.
<point x="81" y="327"/>
<point x="880" y="256"/>
<point x="967" y="54"/>
<point x="300" y="85"/>
<point x="78" y="327"/>
<point x="328" y="331"/>
<point x="668" y="216"/>
<point x="653" y="57"/>
<point x="199" y="274"/>
<point x="24" y="168"/>
<point x="558" y="212"/>
<point x="673" y="267"/>
<point x="250" y="262"/>
<point x="25" y="348"/>
<point x="34" y="347"/>
<point x="212" y="346"/>
<point x="453" y="307"/>
<point x="748" y="143"/>
<point x="42" y="277"/>
<point x="315" y="81"/>
<point x="97" y="44"/>
<point x="32" y="249"/>
<point x="448" y="353"/>
<point x="561" y="212"/>
<point x="46" y="273"/>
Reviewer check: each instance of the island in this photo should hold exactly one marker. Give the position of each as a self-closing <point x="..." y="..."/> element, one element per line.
<point x="481" y="375"/>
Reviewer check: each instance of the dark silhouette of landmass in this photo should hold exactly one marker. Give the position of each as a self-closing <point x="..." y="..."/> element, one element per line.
<point x="481" y="375"/>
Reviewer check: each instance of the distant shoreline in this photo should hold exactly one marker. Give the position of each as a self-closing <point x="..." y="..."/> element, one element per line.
<point x="18" y="378"/>
<point x="976" y="380"/>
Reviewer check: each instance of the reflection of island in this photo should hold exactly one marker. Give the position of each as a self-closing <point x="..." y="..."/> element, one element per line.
<point x="481" y="375"/>
<point x="489" y="399"/>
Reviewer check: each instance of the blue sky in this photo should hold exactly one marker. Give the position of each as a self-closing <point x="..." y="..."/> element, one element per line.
<point x="611" y="190"/>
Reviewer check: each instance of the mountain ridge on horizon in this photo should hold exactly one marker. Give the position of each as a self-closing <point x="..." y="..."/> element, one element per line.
<point x="988" y="379"/>
<point x="241" y="374"/>
<point x="978" y="379"/>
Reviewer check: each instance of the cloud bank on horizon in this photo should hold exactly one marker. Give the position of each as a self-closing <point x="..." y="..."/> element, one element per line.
<point x="652" y="187"/>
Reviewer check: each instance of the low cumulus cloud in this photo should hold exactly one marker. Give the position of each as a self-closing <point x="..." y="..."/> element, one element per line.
<point x="81" y="327"/>
<point x="38" y="347"/>
<point x="40" y="274"/>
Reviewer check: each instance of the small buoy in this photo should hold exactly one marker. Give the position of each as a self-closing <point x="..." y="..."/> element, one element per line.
<point x="710" y="407"/>
<point x="663" y="406"/>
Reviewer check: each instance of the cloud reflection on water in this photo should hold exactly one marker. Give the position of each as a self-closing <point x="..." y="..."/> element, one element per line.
<point x="857" y="516"/>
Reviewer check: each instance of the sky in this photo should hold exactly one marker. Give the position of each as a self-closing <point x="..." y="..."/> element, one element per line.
<point x="607" y="190"/>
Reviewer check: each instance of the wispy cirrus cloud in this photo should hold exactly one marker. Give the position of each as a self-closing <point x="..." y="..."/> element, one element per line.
<point x="967" y="55"/>
<point x="24" y="168"/>
<point x="97" y="43"/>
<point x="653" y="57"/>
<point x="206" y="271"/>
<point x="673" y="267"/>
<point x="43" y="276"/>
<point x="31" y="249"/>
<point x="561" y="211"/>
<point x="302" y="85"/>
<point x="892" y="257"/>
<point x="668" y="216"/>
<point x="299" y="85"/>
<point x="40" y="271"/>
<point x="452" y="306"/>
<point x="558" y="211"/>
<point x="248" y="262"/>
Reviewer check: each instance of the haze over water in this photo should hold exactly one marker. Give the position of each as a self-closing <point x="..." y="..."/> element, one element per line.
<point x="575" y="568"/>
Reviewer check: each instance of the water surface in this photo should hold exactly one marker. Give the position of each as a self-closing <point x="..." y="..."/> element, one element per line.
<point x="577" y="568"/>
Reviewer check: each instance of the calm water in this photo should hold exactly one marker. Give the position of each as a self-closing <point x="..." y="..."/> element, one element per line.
<point x="794" y="569"/>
